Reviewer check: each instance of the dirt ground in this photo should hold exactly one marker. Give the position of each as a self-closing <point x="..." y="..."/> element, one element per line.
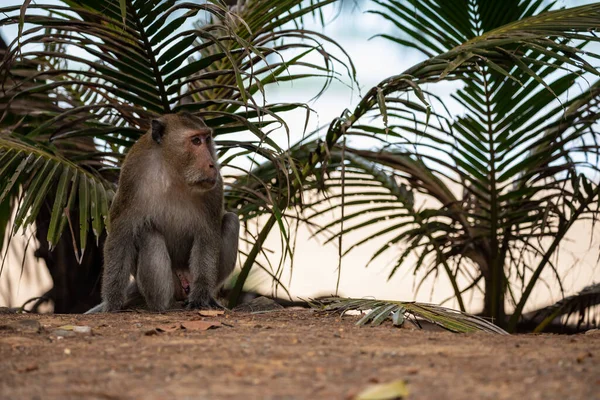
<point x="298" y="354"/>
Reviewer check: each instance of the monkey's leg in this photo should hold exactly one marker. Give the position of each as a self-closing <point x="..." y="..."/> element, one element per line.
<point x="154" y="276"/>
<point x="119" y="260"/>
<point x="230" y="233"/>
<point x="204" y="268"/>
<point x="135" y="299"/>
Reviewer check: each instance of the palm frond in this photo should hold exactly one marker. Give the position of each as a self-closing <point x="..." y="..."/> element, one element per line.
<point x="30" y="172"/>
<point x="436" y="26"/>
<point x="399" y="312"/>
<point x="580" y="305"/>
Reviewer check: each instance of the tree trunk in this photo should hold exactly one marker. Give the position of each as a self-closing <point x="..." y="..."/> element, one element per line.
<point x="76" y="286"/>
<point x="494" y="308"/>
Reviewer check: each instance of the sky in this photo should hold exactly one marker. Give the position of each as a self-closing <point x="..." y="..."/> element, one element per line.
<point x="315" y="267"/>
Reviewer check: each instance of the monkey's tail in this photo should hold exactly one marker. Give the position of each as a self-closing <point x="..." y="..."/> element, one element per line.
<point x="95" y="310"/>
<point x="133" y="299"/>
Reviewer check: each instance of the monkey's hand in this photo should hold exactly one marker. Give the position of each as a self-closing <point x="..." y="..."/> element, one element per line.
<point x="108" y="307"/>
<point x="204" y="260"/>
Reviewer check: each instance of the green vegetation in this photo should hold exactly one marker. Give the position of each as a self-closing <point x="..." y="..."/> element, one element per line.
<point x="503" y="182"/>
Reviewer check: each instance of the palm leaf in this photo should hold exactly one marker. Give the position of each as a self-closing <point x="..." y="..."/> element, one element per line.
<point x="580" y="305"/>
<point x="31" y="170"/>
<point x="377" y="311"/>
<point x="436" y="26"/>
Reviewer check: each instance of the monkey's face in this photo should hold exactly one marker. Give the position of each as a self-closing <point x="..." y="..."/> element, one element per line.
<point x="201" y="171"/>
<point x="187" y="145"/>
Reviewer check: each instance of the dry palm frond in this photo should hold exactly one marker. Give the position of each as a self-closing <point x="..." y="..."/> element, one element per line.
<point x="581" y="304"/>
<point x="400" y="311"/>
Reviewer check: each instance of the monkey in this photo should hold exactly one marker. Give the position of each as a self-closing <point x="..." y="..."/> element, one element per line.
<point x="169" y="228"/>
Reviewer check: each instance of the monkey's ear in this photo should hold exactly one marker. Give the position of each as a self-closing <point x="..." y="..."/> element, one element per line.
<point x="158" y="130"/>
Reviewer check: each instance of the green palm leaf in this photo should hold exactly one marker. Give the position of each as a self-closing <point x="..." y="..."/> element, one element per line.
<point x="31" y="171"/>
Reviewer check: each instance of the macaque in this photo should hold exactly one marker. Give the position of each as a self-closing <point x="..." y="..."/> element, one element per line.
<point x="168" y="226"/>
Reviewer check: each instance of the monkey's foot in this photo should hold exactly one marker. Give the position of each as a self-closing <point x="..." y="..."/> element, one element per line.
<point x="204" y="304"/>
<point x="107" y="308"/>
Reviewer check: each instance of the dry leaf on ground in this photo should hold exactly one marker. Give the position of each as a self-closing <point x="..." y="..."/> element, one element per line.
<point x="384" y="391"/>
<point x="211" y="313"/>
<point x="188" y="325"/>
<point x="168" y="328"/>
<point x="66" y="327"/>
<point x="200" y="325"/>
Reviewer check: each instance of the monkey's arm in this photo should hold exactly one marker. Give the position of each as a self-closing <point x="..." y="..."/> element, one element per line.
<point x="204" y="259"/>
<point x="119" y="263"/>
<point x="230" y="232"/>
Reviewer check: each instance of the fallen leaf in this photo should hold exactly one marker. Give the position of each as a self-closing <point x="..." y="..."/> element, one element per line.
<point x="168" y="328"/>
<point x="211" y="313"/>
<point x="80" y="329"/>
<point x="384" y="391"/>
<point x="28" y="368"/>
<point x="67" y="351"/>
<point x="398" y="318"/>
<point x="66" y="327"/>
<point x="200" y="325"/>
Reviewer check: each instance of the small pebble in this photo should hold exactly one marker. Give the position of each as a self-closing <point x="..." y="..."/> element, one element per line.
<point x="25" y="325"/>
<point x="84" y="330"/>
<point x="61" y="333"/>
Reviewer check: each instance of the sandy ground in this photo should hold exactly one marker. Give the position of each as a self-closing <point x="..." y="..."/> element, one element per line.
<point x="298" y="354"/>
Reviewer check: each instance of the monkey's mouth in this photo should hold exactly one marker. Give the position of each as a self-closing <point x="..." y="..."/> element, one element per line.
<point x="206" y="182"/>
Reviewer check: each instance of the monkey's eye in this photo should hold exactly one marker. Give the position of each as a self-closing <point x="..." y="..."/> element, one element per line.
<point x="196" y="141"/>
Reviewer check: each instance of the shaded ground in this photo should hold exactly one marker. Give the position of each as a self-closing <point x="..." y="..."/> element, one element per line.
<point x="297" y="354"/>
